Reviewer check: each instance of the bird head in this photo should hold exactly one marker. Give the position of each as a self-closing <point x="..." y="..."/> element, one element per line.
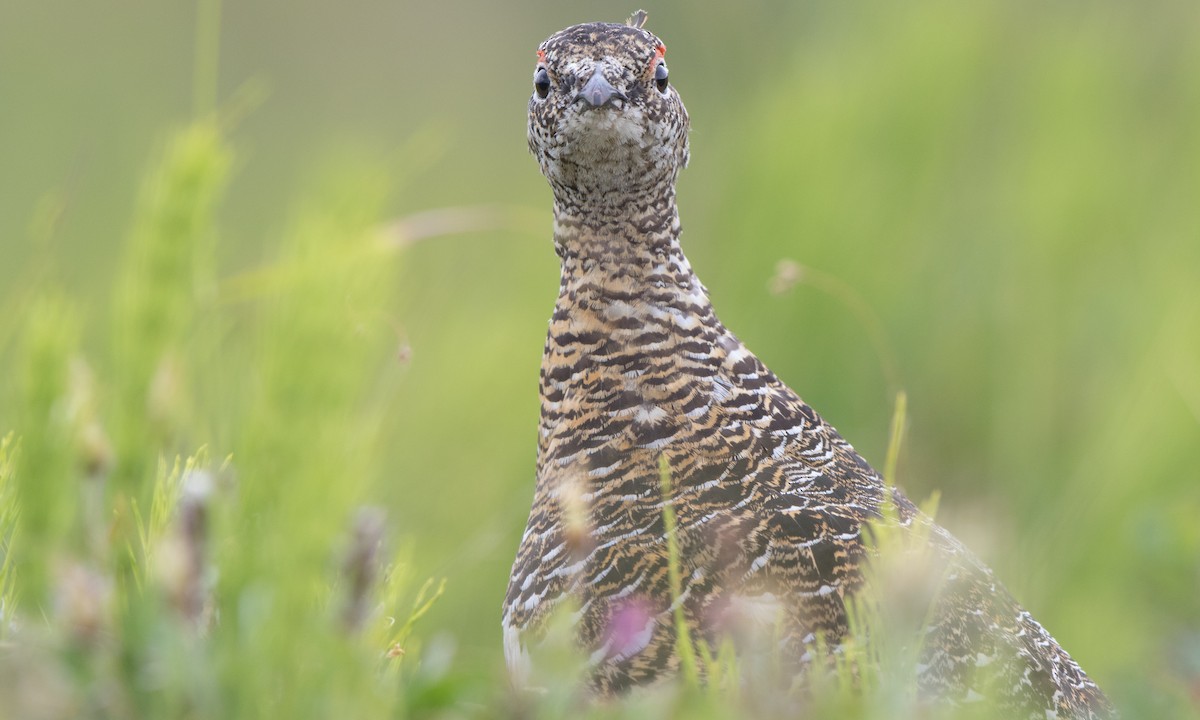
<point x="604" y="119"/>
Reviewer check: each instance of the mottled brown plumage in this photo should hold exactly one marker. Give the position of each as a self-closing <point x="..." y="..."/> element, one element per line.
<point x="771" y="501"/>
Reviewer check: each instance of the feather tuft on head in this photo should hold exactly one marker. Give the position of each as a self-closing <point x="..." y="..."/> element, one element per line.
<point x="638" y="19"/>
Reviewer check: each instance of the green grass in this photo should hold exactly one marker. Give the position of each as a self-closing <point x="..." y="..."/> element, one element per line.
<point x="223" y="355"/>
<point x="147" y="583"/>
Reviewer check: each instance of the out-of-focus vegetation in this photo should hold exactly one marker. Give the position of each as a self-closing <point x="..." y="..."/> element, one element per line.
<point x="251" y="415"/>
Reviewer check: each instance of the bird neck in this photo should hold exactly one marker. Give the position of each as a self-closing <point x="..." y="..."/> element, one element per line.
<point x="623" y="276"/>
<point x="628" y="299"/>
<point x="621" y="242"/>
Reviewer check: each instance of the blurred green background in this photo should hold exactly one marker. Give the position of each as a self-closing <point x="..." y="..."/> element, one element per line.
<point x="991" y="205"/>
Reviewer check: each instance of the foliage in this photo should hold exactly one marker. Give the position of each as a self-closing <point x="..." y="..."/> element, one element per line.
<point x="135" y="582"/>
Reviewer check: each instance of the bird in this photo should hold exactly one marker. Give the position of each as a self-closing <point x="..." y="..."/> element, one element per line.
<point x="639" y="380"/>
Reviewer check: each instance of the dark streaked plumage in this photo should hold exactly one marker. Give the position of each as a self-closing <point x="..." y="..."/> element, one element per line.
<point x="771" y="501"/>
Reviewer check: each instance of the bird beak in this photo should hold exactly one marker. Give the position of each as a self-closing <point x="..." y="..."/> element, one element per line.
<point x="597" y="91"/>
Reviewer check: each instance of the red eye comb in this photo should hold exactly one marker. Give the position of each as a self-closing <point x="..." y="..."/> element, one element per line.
<point x="541" y="55"/>
<point x="659" y="51"/>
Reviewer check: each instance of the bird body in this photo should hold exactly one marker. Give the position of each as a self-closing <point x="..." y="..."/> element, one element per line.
<point x="771" y="503"/>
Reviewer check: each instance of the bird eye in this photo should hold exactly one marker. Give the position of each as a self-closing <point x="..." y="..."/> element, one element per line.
<point x="660" y="77"/>
<point x="541" y="82"/>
